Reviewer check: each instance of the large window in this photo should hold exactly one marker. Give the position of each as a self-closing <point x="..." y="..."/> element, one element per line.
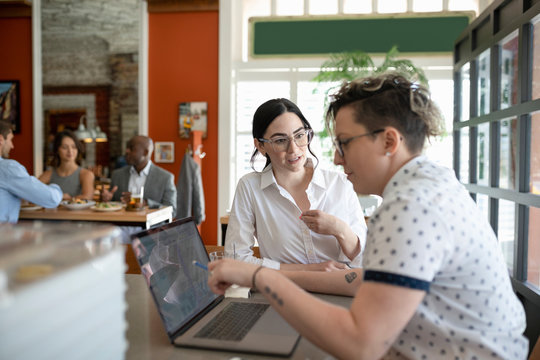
<point x="497" y="131"/>
<point x="254" y="80"/>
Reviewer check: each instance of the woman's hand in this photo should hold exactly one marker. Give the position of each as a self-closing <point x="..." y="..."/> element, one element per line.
<point x="321" y="222"/>
<point x="224" y="273"/>
<point x="326" y="224"/>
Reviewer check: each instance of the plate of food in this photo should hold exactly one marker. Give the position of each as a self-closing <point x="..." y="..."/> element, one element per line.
<point x="30" y="207"/>
<point x="108" y="206"/>
<point x="77" y="204"/>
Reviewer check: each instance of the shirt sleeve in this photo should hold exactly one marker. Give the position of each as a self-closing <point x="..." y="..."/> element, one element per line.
<point x="406" y="243"/>
<point x="241" y="230"/>
<point x="31" y="189"/>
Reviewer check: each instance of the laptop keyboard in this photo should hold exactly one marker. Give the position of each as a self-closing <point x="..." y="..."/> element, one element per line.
<point x="233" y="322"/>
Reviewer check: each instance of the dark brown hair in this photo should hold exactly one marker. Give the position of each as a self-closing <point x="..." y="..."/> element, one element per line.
<point x="5" y="129"/>
<point x="390" y="100"/>
<point x="267" y="113"/>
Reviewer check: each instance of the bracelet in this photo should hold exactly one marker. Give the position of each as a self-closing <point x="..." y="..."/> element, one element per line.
<point x="253" y="285"/>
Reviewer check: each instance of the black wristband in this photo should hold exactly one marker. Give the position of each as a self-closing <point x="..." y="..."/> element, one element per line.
<point x="253" y="285"/>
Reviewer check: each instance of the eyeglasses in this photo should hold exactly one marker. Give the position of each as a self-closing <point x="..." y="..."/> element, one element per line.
<point x="340" y="143"/>
<point x="281" y="143"/>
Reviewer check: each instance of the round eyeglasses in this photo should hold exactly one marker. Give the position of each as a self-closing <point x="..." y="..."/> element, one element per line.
<point x="281" y="143"/>
<point x="339" y="144"/>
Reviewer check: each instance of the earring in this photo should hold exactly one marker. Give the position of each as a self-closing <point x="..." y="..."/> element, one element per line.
<point x="387" y="153"/>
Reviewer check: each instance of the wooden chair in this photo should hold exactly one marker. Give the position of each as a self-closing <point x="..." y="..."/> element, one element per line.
<point x="535" y="353"/>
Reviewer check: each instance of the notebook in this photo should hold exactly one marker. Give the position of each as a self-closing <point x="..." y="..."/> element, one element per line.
<point x="190" y="311"/>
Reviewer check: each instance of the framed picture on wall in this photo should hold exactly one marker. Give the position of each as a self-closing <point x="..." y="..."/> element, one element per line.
<point x="9" y="104"/>
<point x="164" y="152"/>
<point x="192" y="116"/>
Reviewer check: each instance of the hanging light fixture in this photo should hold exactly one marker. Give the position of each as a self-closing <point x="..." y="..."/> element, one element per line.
<point x="99" y="135"/>
<point x="83" y="134"/>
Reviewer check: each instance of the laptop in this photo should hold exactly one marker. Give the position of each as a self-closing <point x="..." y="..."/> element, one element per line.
<point x="192" y="314"/>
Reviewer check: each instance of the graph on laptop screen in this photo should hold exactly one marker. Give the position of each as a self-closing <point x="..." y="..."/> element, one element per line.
<point x="166" y="259"/>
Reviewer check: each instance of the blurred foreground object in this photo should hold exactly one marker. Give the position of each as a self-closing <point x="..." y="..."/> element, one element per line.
<point x="62" y="291"/>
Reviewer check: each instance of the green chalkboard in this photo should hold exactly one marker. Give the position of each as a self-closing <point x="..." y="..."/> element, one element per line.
<point x="429" y="34"/>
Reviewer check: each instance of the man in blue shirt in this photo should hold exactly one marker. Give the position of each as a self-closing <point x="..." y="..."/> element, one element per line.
<point x="17" y="184"/>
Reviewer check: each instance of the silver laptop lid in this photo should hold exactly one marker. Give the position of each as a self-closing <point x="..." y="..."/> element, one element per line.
<point x="180" y="289"/>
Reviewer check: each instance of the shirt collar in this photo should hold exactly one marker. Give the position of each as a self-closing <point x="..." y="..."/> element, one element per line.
<point x="144" y="171"/>
<point x="403" y="173"/>
<point x="267" y="176"/>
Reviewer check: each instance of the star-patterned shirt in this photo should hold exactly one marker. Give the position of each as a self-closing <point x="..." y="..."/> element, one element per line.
<point x="429" y="234"/>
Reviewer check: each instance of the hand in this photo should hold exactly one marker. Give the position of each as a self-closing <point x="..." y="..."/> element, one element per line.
<point x="225" y="272"/>
<point x="126" y="197"/>
<point x="107" y="195"/>
<point x="320" y="222"/>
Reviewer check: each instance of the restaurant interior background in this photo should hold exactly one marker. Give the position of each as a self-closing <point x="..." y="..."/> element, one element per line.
<point x="128" y="64"/>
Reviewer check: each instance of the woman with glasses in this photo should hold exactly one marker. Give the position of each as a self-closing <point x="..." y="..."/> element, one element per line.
<point x="434" y="283"/>
<point x="302" y="217"/>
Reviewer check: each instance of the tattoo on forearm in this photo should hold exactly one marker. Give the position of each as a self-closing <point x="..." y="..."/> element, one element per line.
<point x="273" y="295"/>
<point x="350" y="277"/>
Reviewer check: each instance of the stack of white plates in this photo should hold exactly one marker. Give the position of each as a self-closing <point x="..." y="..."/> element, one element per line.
<point x="62" y="299"/>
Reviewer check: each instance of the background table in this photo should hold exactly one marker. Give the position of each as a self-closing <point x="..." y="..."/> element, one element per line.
<point x="148" y="340"/>
<point x="145" y="218"/>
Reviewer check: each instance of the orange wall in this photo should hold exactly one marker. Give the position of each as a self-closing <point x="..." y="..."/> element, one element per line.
<point x="16" y="64"/>
<point x="183" y="67"/>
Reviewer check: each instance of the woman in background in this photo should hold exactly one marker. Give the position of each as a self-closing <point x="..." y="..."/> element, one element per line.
<point x="66" y="171"/>
<point x="303" y="217"/>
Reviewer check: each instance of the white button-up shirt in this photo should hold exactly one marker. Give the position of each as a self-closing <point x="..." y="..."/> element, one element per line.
<point x="265" y="212"/>
<point x="137" y="180"/>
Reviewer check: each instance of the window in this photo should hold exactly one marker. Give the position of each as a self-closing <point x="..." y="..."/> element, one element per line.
<point x="501" y="133"/>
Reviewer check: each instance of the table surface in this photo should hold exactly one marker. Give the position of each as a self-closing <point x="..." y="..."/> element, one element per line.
<point x="120" y="216"/>
<point x="148" y="340"/>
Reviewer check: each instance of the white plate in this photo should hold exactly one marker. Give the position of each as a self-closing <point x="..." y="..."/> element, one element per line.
<point x="113" y="206"/>
<point x="82" y="206"/>
<point x="31" y="208"/>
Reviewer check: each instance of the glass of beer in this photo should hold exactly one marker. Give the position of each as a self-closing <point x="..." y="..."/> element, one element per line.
<point x="136" y="201"/>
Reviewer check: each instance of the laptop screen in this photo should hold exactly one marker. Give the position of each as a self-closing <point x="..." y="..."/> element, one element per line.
<point x="165" y="255"/>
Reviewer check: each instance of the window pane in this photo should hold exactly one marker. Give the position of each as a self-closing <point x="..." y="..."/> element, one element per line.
<point x="427" y="5"/>
<point x="311" y="101"/>
<point x="251" y="94"/>
<point x="482" y="201"/>
<point x="440" y="149"/>
<point x="535" y="155"/>
<point x="483" y="83"/>
<point x="289" y="7"/>
<point x="508" y="70"/>
<point x="536" y="59"/>
<point x="464" y="155"/>
<point x="456" y="5"/>
<point x="244" y="149"/>
<point x="392" y="6"/>
<point x="465" y="80"/>
<point x="533" y="251"/>
<point x="506" y="235"/>
<point x="323" y="7"/>
<point x="482" y="163"/>
<point x="508" y="161"/>
<point x="356" y="7"/>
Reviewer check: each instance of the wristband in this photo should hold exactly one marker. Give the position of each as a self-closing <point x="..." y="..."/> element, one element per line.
<point x="253" y="285"/>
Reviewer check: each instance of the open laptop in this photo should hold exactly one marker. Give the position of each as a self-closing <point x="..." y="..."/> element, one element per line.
<point x="190" y="311"/>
